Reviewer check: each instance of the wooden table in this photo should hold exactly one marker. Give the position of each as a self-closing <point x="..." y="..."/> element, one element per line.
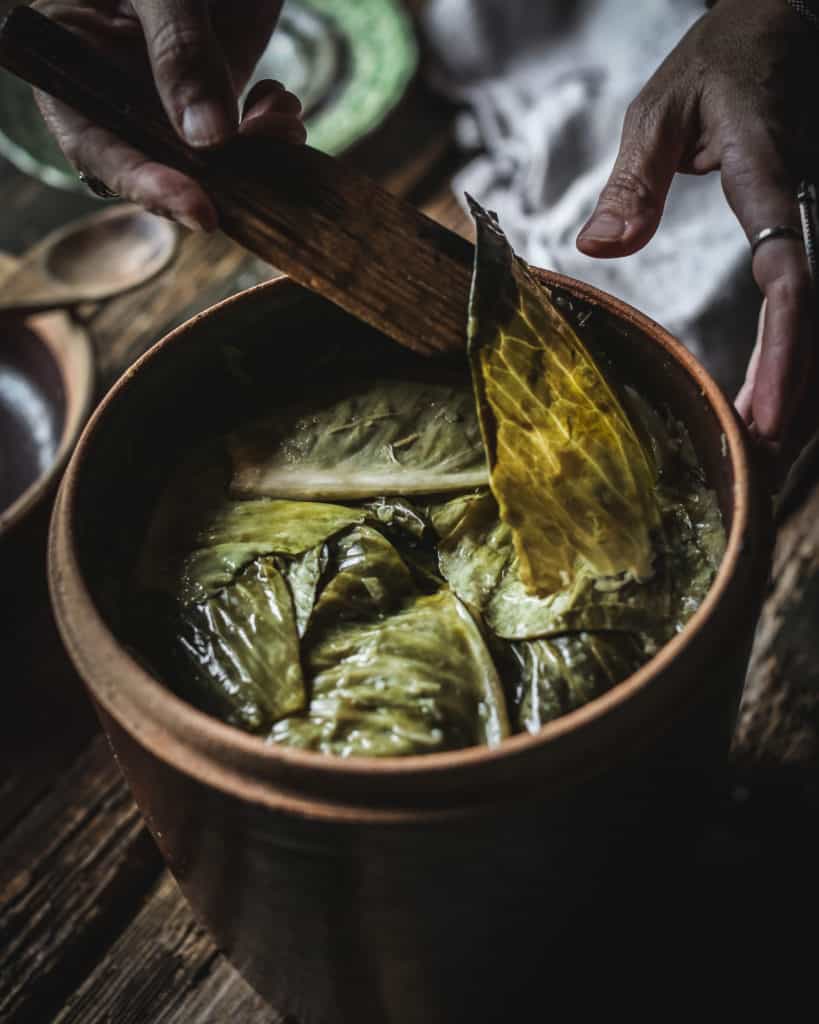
<point x="93" y="929"/>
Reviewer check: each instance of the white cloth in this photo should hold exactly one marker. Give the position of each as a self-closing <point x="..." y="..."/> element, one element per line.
<point x="546" y="85"/>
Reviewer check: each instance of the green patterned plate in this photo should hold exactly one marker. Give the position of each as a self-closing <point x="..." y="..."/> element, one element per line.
<point x="348" y="60"/>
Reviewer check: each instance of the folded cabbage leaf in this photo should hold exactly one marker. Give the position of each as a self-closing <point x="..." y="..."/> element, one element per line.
<point x="367" y="437"/>
<point x="303" y="574"/>
<point x="418" y="681"/>
<point x="573" y="479"/>
<point x="552" y="677"/>
<point x="397" y="516"/>
<point x="234" y="533"/>
<point x="369" y="578"/>
<point x="240" y="650"/>
<point x="407" y="526"/>
<point x="477" y="557"/>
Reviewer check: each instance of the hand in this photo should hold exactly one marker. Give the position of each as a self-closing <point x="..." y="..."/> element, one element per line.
<point x="735" y="95"/>
<point x="199" y="57"/>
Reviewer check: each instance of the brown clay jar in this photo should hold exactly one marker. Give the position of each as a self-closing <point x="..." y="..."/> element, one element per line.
<point x="428" y="889"/>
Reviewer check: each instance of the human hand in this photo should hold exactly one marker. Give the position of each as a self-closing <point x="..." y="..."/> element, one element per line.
<point x="733" y="96"/>
<point x="199" y="57"/>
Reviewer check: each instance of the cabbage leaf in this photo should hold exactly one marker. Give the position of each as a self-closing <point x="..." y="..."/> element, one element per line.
<point x="555" y="676"/>
<point x="477" y="557"/>
<point x="418" y="681"/>
<point x="242" y="647"/>
<point x="368" y="437"/>
<point x="303" y="574"/>
<point x="574" y="481"/>
<point x="234" y="533"/>
<point x="370" y="578"/>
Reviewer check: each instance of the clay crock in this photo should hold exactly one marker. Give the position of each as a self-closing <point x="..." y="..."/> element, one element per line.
<point x="401" y="890"/>
<point x="46" y="390"/>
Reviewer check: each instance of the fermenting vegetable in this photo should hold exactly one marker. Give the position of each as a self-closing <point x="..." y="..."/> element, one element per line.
<point x="417" y="557"/>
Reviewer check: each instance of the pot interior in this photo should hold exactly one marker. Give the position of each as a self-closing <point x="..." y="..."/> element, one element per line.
<point x="263" y="348"/>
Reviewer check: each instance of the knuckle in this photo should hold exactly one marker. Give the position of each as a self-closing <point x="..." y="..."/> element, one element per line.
<point x="77" y="146"/>
<point x="57" y="10"/>
<point x="753" y="160"/>
<point x="649" y="112"/>
<point x="71" y="150"/>
<point x="627" y="187"/>
<point x="137" y="181"/>
<point x="638" y="113"/>
<point x="790" y="291"/>
<point x="160" y="188"/>
<point x="176" y="46"/>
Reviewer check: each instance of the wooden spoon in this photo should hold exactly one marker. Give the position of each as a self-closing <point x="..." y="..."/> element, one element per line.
<point x="90" y="259"/>
<point x="329" y="227"/>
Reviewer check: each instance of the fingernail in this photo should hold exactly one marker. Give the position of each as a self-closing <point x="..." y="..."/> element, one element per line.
<point x="191" y="223"/>
<point x="159" y="211"/>
<point x="202" y="220"/>
<point x="289" y="103"/>
<point x="205" y="124"/>
<point x="604" y="227"/>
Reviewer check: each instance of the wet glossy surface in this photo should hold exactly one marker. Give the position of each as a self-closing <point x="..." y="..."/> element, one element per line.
<point x="32" y="410"/>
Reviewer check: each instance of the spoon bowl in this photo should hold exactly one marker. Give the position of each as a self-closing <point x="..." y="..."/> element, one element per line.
<point x="91" y="259"/>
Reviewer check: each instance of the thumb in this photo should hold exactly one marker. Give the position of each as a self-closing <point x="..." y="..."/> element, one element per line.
<point x="189" y="69"/>
<point x="631" y="203"/>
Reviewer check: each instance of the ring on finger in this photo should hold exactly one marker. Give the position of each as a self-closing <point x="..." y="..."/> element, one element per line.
<point x="778" y="231"/>
<point x="97" y="186"/>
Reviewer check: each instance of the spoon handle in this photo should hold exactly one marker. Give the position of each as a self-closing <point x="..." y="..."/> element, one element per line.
<point x="25" y="290"/>
<point x="332" y="229"/>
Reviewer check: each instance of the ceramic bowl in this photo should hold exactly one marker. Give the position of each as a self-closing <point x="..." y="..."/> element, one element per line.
<point x="46" y="390"/>
<point x="402" y="890"/>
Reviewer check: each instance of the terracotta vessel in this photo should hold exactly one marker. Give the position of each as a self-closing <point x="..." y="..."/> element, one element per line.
<point x="46" y="389"/>
<point x="402" y="890"/>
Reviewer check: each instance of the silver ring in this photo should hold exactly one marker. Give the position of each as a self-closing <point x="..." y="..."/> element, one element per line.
<point x="98" y="187"/>
<point x="780" y="231"/>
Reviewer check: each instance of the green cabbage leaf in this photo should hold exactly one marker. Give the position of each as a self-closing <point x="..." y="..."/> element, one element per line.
<point x="242" y="648"/>
<point x="234" y="533"/>
<point x="417" y="681"/>
<point x="573" y="479"/>
<point x="365" y="438"/>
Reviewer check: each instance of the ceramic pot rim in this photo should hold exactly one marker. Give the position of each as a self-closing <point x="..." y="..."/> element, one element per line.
<point x="223" y="756"/>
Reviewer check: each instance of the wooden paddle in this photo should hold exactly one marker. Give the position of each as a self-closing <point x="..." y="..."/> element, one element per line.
<point x="329" y="227"/>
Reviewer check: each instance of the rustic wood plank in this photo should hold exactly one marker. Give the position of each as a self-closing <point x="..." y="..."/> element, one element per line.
<point x="207" y="269"/>
<point x="779" y="718"/>
<point x="49" y="719"/>
<point x="71" y="875"/>
<point x="165" y="969"/>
